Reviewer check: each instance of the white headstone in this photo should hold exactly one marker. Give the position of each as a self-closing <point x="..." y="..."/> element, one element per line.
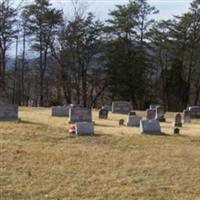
<point x="80" y="115"/>
<point x="150" y="127"/>
<point x="84" y="128"/>
<point x="121" y="107"/>
<point x="186" y="116"/>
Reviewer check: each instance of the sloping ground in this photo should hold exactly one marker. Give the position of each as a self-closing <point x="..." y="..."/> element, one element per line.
<point x="39" y="160"/>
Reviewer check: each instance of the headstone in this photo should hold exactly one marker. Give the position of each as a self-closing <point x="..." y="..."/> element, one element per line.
<point x="151" y="114"/>
<point x="60" y="111"/>
<point x="160" y="114"/>
<point x="177" y="131"/>
<point x="107" y="107"/>
<point x="195" y="112"/>
<point x="133" y="121"/>
<point x="132" y="113"/>
<point x="121" y="107"/>
<point x="150" y="127"/>
<point x="186" y="116"/>
<point x="178" y="119"/>
<point x="84" y="128"/>
<point x="121" y="122"/>
<point x="103" y="114"/>
<point x="8" y="111"/>
<point x="80" y="115"/>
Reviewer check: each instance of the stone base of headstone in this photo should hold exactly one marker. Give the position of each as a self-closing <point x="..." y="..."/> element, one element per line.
<point x="150" y="127"/>
<point x="84" y="128"/>
<point x="8" y="112"/>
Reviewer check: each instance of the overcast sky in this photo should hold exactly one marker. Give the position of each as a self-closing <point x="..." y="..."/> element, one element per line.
<point x="101" y="8"/>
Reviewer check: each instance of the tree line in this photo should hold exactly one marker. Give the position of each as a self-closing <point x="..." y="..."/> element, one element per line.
<point x="82" y="60"/>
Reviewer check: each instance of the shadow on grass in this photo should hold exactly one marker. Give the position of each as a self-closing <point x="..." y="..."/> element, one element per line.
<point x="105" y="125"/>
<point x="31" y="123"/>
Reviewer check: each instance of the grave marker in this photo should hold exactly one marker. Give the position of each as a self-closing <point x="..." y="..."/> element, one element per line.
<point x="150" y="127"/>
<point x="121" y="107"/>
<point x="80" y="115"/>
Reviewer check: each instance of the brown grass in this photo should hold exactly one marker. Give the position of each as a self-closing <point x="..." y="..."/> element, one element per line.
<point x="39" y="160"/>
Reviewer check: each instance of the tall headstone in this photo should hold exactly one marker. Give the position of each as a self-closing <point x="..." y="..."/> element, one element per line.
<point x="150" y="127"/>
<point x="151" y="114"/>
<point x="107" y="107"/>
<point x="160" y="114"/>
<point x="195" y="112"/>
<point x="153" y="106"/>
<point x="178" y="120"/>
<point x="60" y="111"/>
<point x="186" y="116"/>
<point x="133" y="121"/>
<point x="121" y="107"/>
<point x="80" y="115"/>
<point x="8" y="111"/>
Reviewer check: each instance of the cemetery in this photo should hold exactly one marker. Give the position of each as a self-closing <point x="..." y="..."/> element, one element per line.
<point x="99" y="100"/>
<point x="40" y="146"/>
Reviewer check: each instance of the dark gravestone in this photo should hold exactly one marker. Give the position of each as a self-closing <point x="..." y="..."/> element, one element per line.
<point x="176" y="131"/>
<point x="121" y="107"/>
<point x="121" y="122"/>
<point x="103" y="114"/>
<point x="178" y="119"/>
<point x="195" y="112"/>
<point x="80" y="115"/>
<point x="8" y="111"/>
<point x="60" y="111"/>
<point x="160" y="114"/>
<point x="133" y="121"/>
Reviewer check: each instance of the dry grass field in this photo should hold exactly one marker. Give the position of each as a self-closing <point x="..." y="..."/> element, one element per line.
<point x="39" y="160"/>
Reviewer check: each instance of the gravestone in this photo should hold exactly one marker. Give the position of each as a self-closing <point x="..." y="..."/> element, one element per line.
<point x="8" y="111"/>
<point x="60" y="111"/>
<point x="132" y="113"/>
<point x="133" y="121"/>
<point x="107" y="107"/>
<point x="195" y="112"/>
<point x="178" y="119"/>
<point x="186" y="116"/>
<point x="121" y="122"/>
<point x="160" y="114"/>
<point x="103" y="114"/>
<point x="84" y="128"/>
<point x="150" y="127"/>
<point x="80" y="115"/>
<point x="121" y="107"/>
<point x="151" y="114"/>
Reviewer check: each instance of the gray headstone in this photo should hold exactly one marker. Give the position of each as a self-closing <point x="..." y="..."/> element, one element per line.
<point x="195" y="112"/>
<point x="103" y="114"/>
<point x="80" y="115"/>
<point x="84" y="128"/>
<point x="60" y="111"/>
<point x="150" y="127"/>
<point x="8" y="112"/>
<point x="160" y="114"/>
<point x="133" y="121"/>
<point x="178" y="120"/>
<point x="151" y="114"/>
<point x="186" y="116"/>
<point x="121" y="107"/>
